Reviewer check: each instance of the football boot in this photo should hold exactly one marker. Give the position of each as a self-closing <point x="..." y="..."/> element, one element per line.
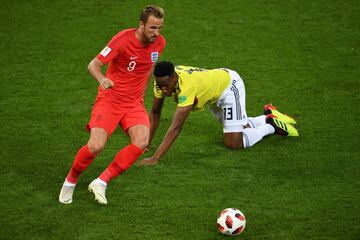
<point x="66" y="193"/>
<point x="270" y="109"/>
<point x="281" y="128"/>
<point x="99" y="190"/>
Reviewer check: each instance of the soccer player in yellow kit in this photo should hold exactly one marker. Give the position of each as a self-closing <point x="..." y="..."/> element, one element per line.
<point x="223" y="90"/>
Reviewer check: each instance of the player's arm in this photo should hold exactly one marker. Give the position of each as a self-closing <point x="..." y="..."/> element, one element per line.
<point x="174" y="130"/>
<point x="95" y="70"/>
<point x="155" y="115"/>
<point x="151" y="72"/>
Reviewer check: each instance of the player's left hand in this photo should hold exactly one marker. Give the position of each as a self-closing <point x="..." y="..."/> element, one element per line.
<point x="148" y="161"/>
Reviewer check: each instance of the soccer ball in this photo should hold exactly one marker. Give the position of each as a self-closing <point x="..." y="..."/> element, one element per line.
<point x="231" y="221"/>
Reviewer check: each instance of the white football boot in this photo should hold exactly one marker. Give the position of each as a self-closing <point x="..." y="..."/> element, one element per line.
<point x="66" y="192"/>
<point x="98" y="187"/>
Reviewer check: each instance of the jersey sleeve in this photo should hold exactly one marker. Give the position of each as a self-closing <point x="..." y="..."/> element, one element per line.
<point x="157" y="92"/>
<point x="111" y="50"/>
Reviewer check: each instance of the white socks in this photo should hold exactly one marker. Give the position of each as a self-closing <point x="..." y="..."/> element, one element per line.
<point x="101" y="182"/>
<point x="69" y="184"/>
<point x="254" y="135"/>
<point x="256" y="121"/>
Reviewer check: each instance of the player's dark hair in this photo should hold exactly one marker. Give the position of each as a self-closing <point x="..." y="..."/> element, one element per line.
<point x="149" y="10"/>
<point x="164" y="68"/>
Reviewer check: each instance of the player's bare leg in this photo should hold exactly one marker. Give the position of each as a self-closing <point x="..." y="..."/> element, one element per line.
<point x="233" y="140"/>
<point x="83" y="159"/>
<point x="139" y="135"/>
<point x="97" y="142"/>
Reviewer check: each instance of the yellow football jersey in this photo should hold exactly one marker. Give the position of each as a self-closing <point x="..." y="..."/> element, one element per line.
<point x="198" y="86"/>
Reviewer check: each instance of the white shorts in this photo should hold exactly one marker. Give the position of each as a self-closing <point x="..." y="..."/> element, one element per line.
<point x="230" y="107"/>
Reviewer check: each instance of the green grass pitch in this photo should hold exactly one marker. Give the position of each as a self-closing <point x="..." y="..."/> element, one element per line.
<point x="303" y="56"/>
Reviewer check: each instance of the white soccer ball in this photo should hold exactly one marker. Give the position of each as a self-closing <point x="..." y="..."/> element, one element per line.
<point x="231" y="222"/>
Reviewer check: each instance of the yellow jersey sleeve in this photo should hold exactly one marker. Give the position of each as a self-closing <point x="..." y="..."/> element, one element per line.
<point x="157" y="92"/>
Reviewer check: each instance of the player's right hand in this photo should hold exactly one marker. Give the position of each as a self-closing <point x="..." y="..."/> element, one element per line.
<point x="106" y="83"/>
<point x="148" y="161"/>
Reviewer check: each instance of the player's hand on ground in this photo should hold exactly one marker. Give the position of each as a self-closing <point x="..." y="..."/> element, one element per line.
<point x="148" y="161"/>
<point x="106" y="83"/>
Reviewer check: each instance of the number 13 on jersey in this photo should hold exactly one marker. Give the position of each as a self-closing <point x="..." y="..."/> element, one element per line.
<point x="228" y="113"/>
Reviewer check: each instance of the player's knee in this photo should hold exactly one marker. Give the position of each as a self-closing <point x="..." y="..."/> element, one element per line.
<point x="141" y="142"/>
<point x="96" y="146"/>
<point x="233" y="145"/>
<point x="233" y="140"/>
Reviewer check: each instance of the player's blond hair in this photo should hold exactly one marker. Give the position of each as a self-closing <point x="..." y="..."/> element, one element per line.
<point x="151" y="10"/>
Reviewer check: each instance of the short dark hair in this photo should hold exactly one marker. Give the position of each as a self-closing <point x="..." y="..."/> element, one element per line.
<point x="164" y="68"/>
<point x="149" y="10"/>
